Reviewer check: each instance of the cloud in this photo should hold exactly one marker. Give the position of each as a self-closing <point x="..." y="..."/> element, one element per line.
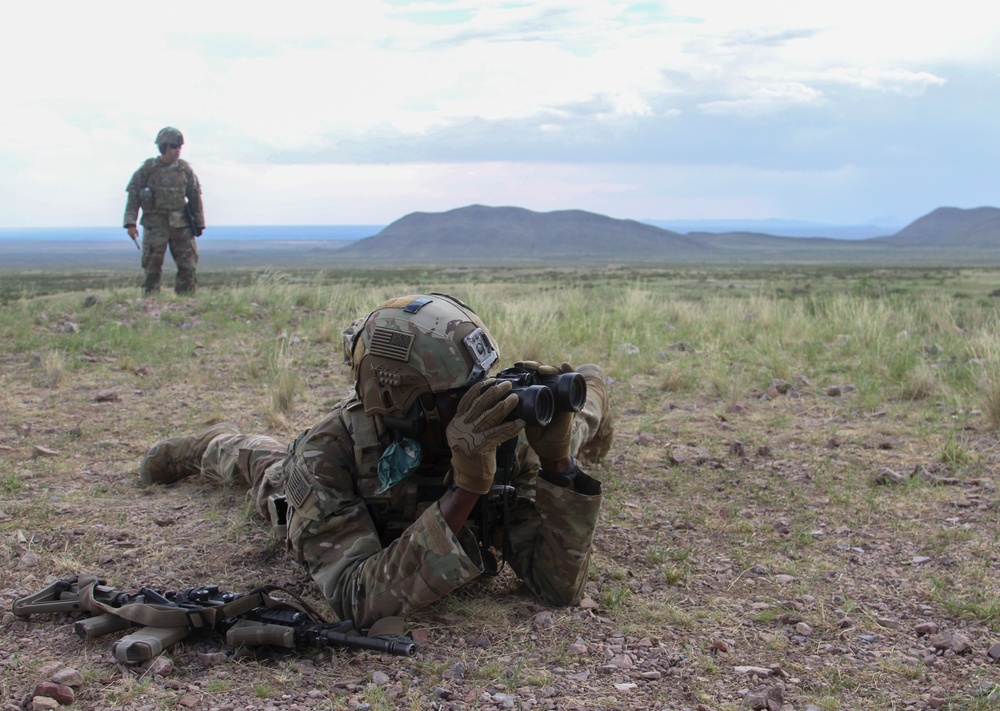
<point x="515" y="86"/>
<point x="765" y="99"/>
<point x="898" y="81"/>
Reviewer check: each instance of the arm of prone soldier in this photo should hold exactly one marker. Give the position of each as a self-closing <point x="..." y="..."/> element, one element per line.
<point x="479" y="426"/>
<point x="338" y="540"/>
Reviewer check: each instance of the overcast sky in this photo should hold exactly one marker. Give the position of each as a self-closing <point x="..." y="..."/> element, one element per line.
<point x="359" y="112"/>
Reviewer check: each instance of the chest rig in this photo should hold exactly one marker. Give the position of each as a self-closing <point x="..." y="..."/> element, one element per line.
<point x="394" y="510"/>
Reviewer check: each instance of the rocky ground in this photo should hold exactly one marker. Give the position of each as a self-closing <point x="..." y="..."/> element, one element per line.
<point x="795" y="550"/>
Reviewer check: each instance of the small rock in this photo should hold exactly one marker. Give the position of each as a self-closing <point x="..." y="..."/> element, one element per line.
<point x="506" y="701"/>
<point x="761" y="672"/>
<point x="211" y="659"/>
<point x="68" y="676"/>
<point x="43" y="703"/>
<point x="770" y="698"/>
<point x="951" y="641"/>
<point x="994" y="653"/>
<point x="27" y="560"/>
<point x="926" y="628"/>
<point x="480" y="642"/>
<point x="720" y="645"/>
<point x="543" y="621"/>
<point x="886" y="475"/>
<point x="63" y="694"/>
<point x="380" y="678"/>
<point x="161" y="666"/>
<point x="621" y="661"/>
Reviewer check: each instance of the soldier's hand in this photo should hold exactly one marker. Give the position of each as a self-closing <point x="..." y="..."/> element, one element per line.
<point x="133" y="231"/>
<point x="551" y="442"/>
<point x="478" y="427"/>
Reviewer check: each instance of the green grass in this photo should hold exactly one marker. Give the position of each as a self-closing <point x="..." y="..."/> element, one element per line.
<point x="693" y="533"/>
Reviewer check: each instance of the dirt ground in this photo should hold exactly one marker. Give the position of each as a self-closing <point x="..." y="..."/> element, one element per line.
<point x="793" y="551"/>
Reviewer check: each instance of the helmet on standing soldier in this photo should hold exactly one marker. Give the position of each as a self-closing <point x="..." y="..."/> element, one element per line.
<point x="169" y="134"/>
<point x="417" y="345"/>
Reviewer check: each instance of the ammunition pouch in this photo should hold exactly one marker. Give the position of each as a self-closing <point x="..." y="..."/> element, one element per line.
<point x="146" y="201"/>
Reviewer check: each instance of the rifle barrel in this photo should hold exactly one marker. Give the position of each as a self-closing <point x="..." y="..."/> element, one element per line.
<point x="399" y="646"/>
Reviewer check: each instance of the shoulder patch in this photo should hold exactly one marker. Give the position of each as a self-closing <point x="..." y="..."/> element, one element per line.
<point x="297" y="488"/>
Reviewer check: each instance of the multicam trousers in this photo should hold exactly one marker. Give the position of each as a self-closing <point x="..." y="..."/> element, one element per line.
<point x="183" y="249"/>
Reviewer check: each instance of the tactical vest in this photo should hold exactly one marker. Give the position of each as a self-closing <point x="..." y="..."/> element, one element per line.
<point x="168" y="183"/>
<point x="394" y="510"/>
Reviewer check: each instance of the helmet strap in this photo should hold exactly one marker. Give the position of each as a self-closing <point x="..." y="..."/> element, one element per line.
<point x="432" y="420"/>
<point x="411" y="425"/>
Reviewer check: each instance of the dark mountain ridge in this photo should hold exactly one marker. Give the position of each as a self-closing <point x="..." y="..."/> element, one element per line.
<point x="950" y="227"/>
<point x="479" y="233"/>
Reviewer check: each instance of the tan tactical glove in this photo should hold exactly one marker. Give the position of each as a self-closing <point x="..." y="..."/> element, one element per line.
<point x="476" y="430"/>
<point x="553" y="440"/>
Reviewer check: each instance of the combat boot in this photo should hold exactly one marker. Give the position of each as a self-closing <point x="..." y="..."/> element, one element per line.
<point x="597" y="446"/>
<point x="180" y="457"/>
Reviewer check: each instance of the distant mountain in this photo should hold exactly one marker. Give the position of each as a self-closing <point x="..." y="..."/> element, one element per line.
<point x="951" y="227"/>
<point x="478" y="234"/>
<point x="782" y="228"/>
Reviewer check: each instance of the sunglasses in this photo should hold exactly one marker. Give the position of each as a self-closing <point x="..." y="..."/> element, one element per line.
<point x="174" y="145"/>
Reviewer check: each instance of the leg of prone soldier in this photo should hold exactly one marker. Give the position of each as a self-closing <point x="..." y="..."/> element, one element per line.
<point x="552" y="524"/>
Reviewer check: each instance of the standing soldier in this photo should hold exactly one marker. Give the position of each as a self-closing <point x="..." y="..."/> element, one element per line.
<point x="169" y="194"/>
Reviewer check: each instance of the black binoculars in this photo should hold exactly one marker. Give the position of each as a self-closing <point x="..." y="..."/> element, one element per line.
<point x="540" y="397"/>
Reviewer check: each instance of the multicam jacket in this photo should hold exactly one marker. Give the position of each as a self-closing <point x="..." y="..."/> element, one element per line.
<point x="377" y="555"/>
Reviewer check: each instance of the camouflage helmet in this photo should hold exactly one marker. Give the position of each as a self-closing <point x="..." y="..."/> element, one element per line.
<point x="416" y="345"/>
<point x="169" y="135"/>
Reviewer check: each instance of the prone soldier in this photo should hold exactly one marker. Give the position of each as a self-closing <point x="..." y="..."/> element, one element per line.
<point x="378" y="500"/>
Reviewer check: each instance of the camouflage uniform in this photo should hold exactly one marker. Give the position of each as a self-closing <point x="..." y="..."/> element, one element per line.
<point x="329" y="477"/>
<point x="164" y="223"/>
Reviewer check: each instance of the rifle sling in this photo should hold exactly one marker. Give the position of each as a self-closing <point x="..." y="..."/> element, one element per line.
<point x="189" y="617"/>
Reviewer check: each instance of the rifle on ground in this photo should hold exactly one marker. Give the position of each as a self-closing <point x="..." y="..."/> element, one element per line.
<point x="164" y="618"/>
